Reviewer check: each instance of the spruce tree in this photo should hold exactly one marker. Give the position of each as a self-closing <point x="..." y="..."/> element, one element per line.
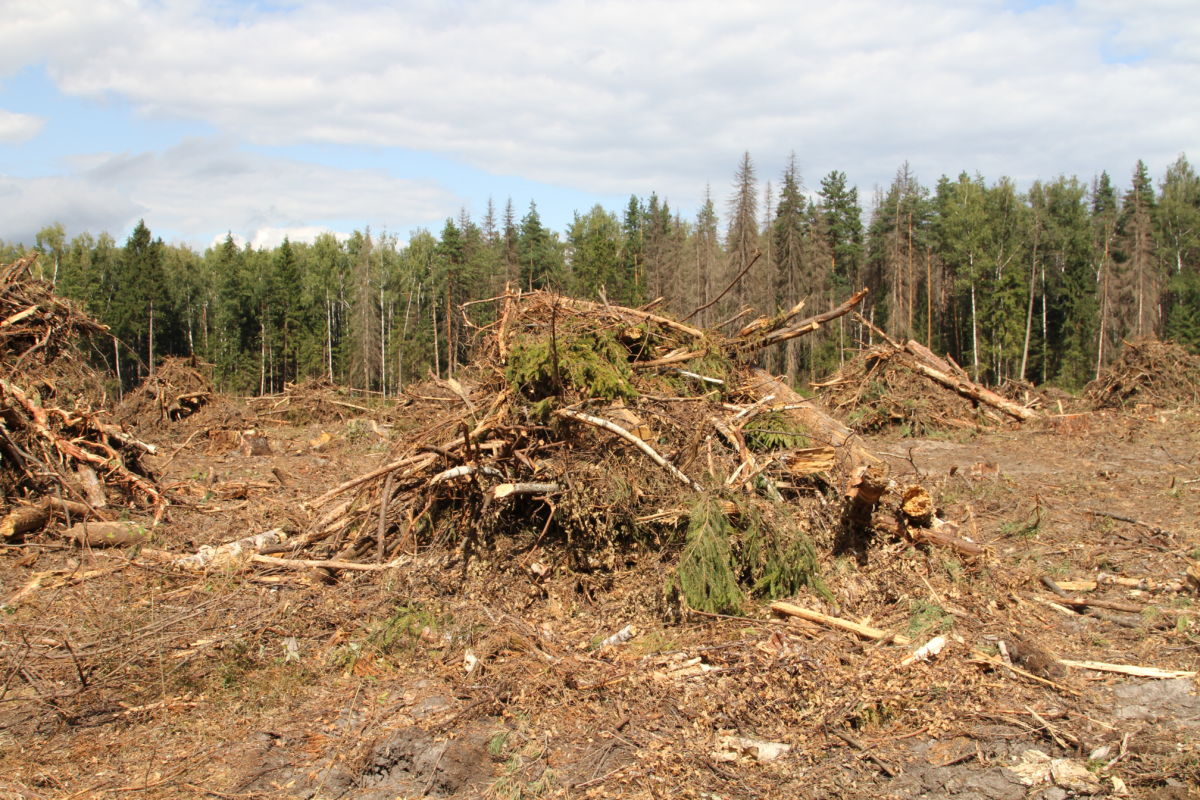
<point x="741" y="242"/>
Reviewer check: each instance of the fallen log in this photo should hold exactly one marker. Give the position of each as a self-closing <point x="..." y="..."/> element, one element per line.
<point x="29" y="518"/>
<point x="107" y="534"/>
<point x="812" y="323"/>
<point x="822" y="427"/>
<point x="210" y="557"/>
<point x="975" y="392"/>
<point x="23" y="520"/>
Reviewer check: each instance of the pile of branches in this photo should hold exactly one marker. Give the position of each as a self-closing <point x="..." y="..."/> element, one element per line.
<point x="594" y="426"/>
<point x="54" y="444"/>
<point x="178" y="389"/>
<point x="1150" y="371"/>
<point x="907" y="386"/>
<point x="313" y="401"/>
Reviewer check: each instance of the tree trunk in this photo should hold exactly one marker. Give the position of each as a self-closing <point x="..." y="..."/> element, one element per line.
<point x="974" y="335"/>
<point x="151" y="340"/>
<point x="1029" y="311"/>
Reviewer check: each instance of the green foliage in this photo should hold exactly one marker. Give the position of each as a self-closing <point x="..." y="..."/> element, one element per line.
<point x="927" y="618"/>
<point x="781" y="563"/>
<point x="774" y="430"/>
<point x="719" y="559"/>
<point x="592" y="363"/>
<point x="401" y="630"/>
<point x="705" y="573"/>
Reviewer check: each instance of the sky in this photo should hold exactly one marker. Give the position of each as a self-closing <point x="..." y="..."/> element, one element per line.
<point x="274" y="118"/>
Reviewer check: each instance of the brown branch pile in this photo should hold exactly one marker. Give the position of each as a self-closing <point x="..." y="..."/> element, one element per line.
<point x="53" y="441"/>
<point x="178" y="389"/>
<point x="587" y="425"/>
<point x="317" y="400"/>
<point x="1149" y="371"/>
<point x="907" y="386"/>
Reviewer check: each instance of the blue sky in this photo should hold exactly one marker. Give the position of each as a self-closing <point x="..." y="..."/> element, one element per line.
<point x="288" y="118"/>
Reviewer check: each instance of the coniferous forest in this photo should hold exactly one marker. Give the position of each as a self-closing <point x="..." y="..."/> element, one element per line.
<point x="1041" y="285"/>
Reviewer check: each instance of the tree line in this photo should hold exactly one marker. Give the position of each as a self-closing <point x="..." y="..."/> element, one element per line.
<point x="1040" y="285"/>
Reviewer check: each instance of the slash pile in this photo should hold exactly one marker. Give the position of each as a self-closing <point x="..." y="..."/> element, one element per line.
<point x="597" y="426"/>
<point x="1150" y="371"/>
<point x="57" y="451"/>
<point x="908" y="386"/>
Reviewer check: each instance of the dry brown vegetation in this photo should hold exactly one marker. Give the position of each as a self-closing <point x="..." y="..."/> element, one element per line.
<point x="474" y="594"/>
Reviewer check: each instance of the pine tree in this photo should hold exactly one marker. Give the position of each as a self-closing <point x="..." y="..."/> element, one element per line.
<point x="538" y="253"/>
<point x="789" y="251"/>
<point x="707" y="258"/>
<point x="843" y="224"/>
<point x="1136" y="251"/>
<point x="1104" y="226"/>
<point x="741" y="242"/>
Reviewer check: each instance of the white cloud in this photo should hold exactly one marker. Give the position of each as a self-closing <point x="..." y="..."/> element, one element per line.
<point x="271" y="237"/>
<point x="633" y="95"/>
<point x="205" y="185"/>
<point x="16" y="128"/>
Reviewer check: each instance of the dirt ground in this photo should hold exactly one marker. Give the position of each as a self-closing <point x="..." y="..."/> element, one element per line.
<point x="441" y="678"/>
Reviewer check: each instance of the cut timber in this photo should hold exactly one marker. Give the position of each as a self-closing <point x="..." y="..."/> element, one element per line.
<point x="231" y="552"/>
<point x="943" y="536"/>
<point x="973" y="390"/>
<point x="309" y="563"/>
<point x="23" y="520"/>
<point x="1128" y="669"/>
<point x="27" y="519"/>
<point x="865" y="631"/>
<point x="92" y="489"/>
<point x="812" y="323"/>
<point x="107" y="534"/>
<point x="821" y="426"/>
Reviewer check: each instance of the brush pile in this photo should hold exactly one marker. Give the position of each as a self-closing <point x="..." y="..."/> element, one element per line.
<point x="1150" y="371"/>
<point x="53" y="441"/>
<point x="907" y="386"/>
<point x="310" y="401"/>
<point x="178" y="389"/>
<point x="596" y="427"/>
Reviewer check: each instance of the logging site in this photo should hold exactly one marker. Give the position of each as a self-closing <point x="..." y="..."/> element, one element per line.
<point x="610" y="556"/>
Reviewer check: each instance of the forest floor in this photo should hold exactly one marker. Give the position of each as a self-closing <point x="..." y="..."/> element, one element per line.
<point x="127" y="680"/>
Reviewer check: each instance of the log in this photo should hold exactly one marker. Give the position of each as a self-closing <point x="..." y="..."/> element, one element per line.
<point x="230" y="552"/>
<point x="107" y="534"/>
<point x="865" y="631"/>
<point x="510" y="489"/>
<point x="30" y="518"/>
<point x="1079" y="602"/>
<point x="943" y="537"/>
<point x="92" y="489"/>
<point x="824" y="428"/>
<point x="24" y="519"/>
<point x="975" y="392"/>
<point x="308" y="563"/>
